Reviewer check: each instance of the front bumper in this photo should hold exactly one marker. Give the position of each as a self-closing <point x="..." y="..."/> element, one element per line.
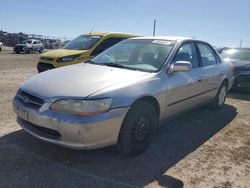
<point x="242" y="80"/>
<point x="41" y="67"/>
<point x="19" y="49"/>
<point x="78" y="132"/>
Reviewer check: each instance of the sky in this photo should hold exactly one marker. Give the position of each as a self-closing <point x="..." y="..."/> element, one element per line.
<point x="220" y="22"/>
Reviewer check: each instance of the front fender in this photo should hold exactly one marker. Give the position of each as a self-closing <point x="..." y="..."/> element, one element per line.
<point x="126" y="93"/>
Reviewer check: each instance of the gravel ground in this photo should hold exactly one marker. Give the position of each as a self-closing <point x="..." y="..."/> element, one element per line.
<point x="201" y="148"/>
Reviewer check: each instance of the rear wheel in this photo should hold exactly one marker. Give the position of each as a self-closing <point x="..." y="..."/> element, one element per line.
<point x="138" y="129"/>
<point x="220" y="98"/>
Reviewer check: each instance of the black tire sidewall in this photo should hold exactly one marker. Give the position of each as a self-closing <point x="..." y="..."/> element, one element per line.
<point x="125" y="144"/>
<point x="216" y="104"/>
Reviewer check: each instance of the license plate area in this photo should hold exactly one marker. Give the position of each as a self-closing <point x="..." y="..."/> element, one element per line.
<point x="20" y="112"/>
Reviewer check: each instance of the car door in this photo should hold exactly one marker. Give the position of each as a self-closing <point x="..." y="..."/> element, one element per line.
<point x="211" y="67"/>
<point x="185" y="89"/>
<point x="34" y="45"/>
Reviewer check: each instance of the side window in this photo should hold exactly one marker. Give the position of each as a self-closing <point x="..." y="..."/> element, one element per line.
<point x="107" y="43"/>
<point x="187" y="52"/>
<point x="34" y="42"/>
<point x="207" y="55"/>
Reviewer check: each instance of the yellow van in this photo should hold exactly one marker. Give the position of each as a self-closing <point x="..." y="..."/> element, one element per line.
<point x="81" y="49"/>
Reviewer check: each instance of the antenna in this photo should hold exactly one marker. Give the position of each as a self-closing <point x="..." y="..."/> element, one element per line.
<point x="91" y="30"/>
<point x="154" y="27"/>
<point x="241" y="42"/>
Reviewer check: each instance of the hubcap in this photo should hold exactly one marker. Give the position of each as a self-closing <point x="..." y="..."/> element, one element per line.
<point x="222" y="95"/>
<point x="140" y="130"/>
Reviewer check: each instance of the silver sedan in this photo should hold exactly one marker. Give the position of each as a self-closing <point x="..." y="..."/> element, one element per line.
<point x="119" y="97"/>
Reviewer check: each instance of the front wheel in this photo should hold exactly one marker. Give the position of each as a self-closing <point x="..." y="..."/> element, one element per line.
<point x="138" y="129"/>
<point x="30" y="50"/>
<point x="40" y="50"/>
<point x="220" y="98"/>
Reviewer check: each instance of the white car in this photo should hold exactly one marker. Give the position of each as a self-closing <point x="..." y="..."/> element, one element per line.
<point x="29" y="46"/>
<point x="119" y="97"/>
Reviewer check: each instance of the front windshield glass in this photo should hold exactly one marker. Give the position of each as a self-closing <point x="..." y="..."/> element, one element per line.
<point x="82" y="42"/>
<point x="27" y="42"/>
<point x="138" y="54"/>
<point x="236" y="54"/>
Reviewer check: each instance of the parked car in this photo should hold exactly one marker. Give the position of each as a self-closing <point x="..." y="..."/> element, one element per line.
<point x="80" y="49"/>
<point x="119" y="96"/>
<point x="29" y="46"/>
<point x="1" y="46"/>
<point x="240" y="59"/>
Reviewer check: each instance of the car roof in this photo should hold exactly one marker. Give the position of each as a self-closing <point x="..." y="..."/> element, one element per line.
<point x="171" y="38"/>
<point x="106" y="33"/>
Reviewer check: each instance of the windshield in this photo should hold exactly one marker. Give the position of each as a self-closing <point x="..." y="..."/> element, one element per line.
<point x="82" y="42"/>
<point x="138" y="54"/>
<point x="27" y="42"/>
<point x="236" y="54"/>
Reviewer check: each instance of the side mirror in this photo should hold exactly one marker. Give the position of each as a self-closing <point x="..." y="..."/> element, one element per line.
<point x="180" y="66"/>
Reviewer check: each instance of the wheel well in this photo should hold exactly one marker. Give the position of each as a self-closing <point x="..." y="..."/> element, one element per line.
<point x="150" y="100"/>
<point x="226" y="82"/>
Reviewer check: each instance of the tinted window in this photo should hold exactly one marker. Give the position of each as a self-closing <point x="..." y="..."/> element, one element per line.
<point x="187" y="52"/>
<point x="107" y="43"/>
<point x="82" y="42"/>
<point x="207" y="55"/>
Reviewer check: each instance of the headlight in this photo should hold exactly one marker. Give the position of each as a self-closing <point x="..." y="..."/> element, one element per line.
<point x="82" y="107"/>
<point x="67" y="58"/>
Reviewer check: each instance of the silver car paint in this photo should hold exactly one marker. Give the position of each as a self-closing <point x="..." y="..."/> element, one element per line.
<point x="174" y="93"/>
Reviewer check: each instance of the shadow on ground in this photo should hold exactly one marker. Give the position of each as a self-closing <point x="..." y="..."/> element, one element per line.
<point x="176" y="139"/>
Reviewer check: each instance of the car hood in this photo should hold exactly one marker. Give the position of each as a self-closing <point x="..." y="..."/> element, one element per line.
<point x="243" y="65"/>
<point x="62" y="53"/>
<point x="79" y="80"/>
<point x="21" y="44"/>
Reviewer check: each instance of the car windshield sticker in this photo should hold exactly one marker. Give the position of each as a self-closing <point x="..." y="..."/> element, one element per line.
<point x="162" y="42"/>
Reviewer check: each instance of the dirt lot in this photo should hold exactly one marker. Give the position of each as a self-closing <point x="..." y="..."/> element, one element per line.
<point x="202" y="148"/>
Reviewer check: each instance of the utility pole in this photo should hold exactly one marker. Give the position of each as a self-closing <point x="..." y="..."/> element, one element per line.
<point x="241" y="42"/>
<point x="154" y="27"/>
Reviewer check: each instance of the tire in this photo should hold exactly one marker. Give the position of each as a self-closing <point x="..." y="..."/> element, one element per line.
<point x="18" y="52"/>
<point x="220" y="97"/>
<point x="138" y="129"/>
<point x="30" y="50"/>
<point x="40" y="50"/>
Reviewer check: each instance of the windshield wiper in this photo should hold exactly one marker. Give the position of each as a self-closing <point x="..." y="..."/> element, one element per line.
<point x="115" y="65"/>
<point x="91" y="62"/>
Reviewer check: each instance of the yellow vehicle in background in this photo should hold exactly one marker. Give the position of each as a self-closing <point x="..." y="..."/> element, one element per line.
<point x="81" y="49"/>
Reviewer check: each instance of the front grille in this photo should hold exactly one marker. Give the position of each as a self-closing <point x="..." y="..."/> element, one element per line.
<point x="46" y="130"/>
<point x="41" y="67"/>
<point x="29" y="100"/>
<point x="39" y="130"/>
<point x="19" y="48"/>
<point x="46" y="59"/>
